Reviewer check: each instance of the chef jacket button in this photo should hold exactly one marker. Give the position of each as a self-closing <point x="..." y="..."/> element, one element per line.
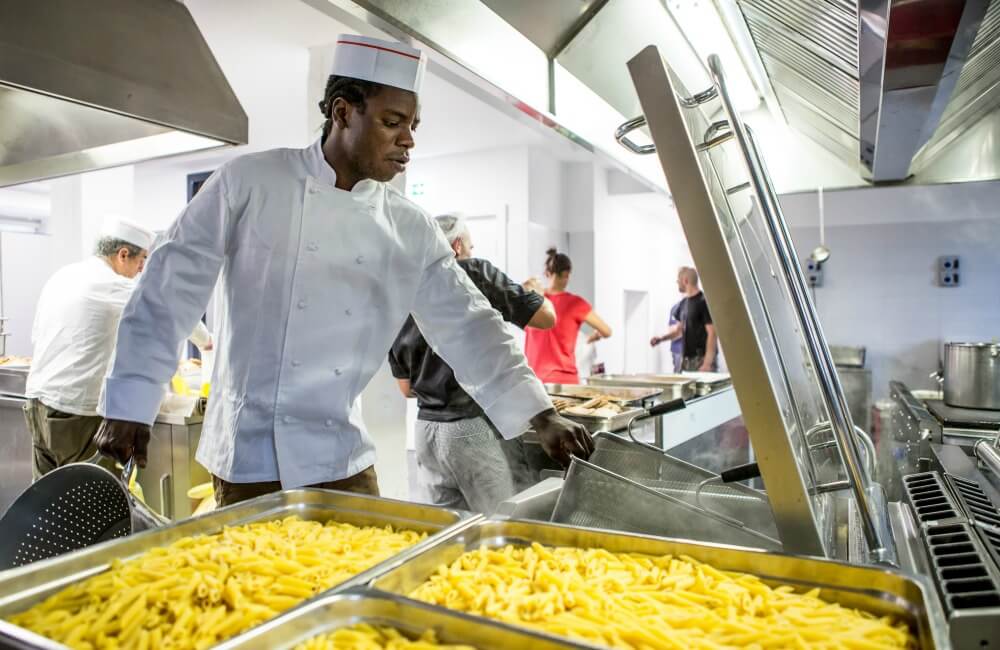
<point x="313" y="190"/>
<point x="286" y="419"/>
<point x="302" y="304"/>
<point x="360" y="259"/>
<point x="347" y="312"/>
<point x="329" y="423"/>
<point x="312" y="246"/>
<point x="338" y="371"/>
<point x="296" y="363"/>
<point x="371" y="207"/>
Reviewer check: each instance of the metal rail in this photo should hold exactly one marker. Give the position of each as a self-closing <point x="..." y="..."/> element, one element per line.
<point x="831" y="391"/>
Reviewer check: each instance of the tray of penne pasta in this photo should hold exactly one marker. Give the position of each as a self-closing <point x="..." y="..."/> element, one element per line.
<point x="366" y="618"/>
<point x="607" y="589"/>
<point x="201" y="581"/>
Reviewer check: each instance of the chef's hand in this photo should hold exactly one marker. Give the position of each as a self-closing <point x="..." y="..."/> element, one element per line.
<point x="705" y="367"/>
<point x="562" y="438"/>
<point x="208" y="347"/>
<point x="532" y="284"/>
<point x="653" y="342"/>
<point x="594" y="337"/>
<point x="121" y="440"/>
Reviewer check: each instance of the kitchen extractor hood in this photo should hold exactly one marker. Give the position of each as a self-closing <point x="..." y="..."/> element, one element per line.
<point x="897" y="90"/>
<point x="88" y="85"/>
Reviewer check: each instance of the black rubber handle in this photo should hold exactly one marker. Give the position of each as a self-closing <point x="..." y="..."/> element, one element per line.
<point x="665" y="407"/>
<point x="740" y="473"/>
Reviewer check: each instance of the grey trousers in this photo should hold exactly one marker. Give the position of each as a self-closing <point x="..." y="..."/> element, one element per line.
<point x="61" y="438"/>
<point x="467" y="465"/>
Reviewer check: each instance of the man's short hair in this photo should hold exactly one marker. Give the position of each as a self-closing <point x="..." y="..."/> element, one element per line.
<point x="453" y="226"/>
<point x="109" y="247"/>
<point x="355" y="92"/>
<point x="689" y="274"/>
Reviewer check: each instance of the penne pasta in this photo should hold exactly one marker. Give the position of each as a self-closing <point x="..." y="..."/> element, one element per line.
<point x="641" y="602"/>
<point x="201" y="590"/>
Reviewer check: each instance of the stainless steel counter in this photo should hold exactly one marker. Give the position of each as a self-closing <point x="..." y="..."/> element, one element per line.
<point x="172" y="468"/>
<point x="15" y="441"/>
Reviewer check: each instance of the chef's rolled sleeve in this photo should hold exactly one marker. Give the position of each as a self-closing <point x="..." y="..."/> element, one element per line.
<point x="133" y="400"/>
<point x="168" y="301"/>
<point x="463" y="329"/>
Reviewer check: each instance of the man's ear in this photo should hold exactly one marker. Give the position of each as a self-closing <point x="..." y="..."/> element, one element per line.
<point x="456" y="246"/>
<point x="341" y="112"/>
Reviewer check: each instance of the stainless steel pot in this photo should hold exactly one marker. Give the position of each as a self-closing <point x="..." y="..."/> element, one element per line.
<point x="972" y="375"/>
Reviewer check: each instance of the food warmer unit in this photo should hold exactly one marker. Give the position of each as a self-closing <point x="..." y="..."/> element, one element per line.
<point x="821" y="496"/>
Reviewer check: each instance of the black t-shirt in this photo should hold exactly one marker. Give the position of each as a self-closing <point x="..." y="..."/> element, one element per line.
<point x="439" y="396"/>
<point x="694" y="314"/>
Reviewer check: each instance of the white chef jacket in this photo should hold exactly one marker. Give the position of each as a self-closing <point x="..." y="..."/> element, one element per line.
<point x="315" y="284"/>
<point x="74" y="335"/>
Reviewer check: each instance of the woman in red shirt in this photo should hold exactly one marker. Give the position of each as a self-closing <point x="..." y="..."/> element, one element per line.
<point x="551" y="353"/>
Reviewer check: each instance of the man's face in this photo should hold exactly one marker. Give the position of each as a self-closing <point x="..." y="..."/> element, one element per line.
<point x="129" y="266"/>
<point x="681" y="284"/>
<point x="462" y="247"/>
<point x="378" y="141"/>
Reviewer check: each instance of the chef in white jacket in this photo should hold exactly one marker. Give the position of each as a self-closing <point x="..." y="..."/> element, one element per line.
<point x="73" y="337"/>
<point x="319" y="261"/>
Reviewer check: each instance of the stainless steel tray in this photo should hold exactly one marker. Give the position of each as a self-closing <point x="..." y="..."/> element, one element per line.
<point x="618" y="422"/>
<point x="360" y="605"/>
<point x="671" y="386"/>
<point x="23" y="587"/>
<point x="629" y="395"/>
<point x="876" y="590"/>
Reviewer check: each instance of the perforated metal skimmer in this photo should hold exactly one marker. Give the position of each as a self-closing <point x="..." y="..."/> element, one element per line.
<point x="68" y="509"/>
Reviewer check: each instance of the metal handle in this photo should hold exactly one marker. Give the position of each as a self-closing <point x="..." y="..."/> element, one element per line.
<point x="660" y="409"/>
<point x="715" y="134"/>
<point x="166" y="496"/>
<point x="622" y="131"/>
<point x="831" y="391"/>
<point x="866" y="444"/>
<point x="698" y="99"/>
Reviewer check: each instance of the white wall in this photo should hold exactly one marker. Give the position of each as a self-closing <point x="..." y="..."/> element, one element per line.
<point x="879" y="284"/>
<point x="638" y="246"/>
<point x="29" y="260"/>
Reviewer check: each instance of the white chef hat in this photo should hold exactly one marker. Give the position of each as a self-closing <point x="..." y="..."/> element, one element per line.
<point x="127" y="231"/>
<point x="385" y="62"/>
<point x="452" y="225"/>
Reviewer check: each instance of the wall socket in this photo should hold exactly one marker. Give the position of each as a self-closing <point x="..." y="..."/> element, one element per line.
<point x="814" y="273"/>
<point x="949" y="271"/>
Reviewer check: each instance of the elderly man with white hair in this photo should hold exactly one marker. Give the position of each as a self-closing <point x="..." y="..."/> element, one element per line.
<point x="462" y="461"/>
<point x="74" y="337"/>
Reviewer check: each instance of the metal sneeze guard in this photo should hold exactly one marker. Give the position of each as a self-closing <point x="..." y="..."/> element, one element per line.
<point x="782" y="369"/>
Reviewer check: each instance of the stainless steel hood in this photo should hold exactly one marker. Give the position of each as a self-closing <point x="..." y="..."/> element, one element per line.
<point x="87" y="85"/>
<point x="901" y="91"/>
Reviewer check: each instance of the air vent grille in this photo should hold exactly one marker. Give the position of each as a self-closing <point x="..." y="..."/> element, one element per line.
<point x="974" y="500"/>
<point x="930" y="499"/>
<point x="963" y="575"/>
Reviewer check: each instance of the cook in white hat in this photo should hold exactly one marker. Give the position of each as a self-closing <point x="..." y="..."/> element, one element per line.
<point x="317" y="263"/>
<point x="73" y="339"/>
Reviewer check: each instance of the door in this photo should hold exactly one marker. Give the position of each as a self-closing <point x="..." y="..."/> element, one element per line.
<point x="637" y="328"/>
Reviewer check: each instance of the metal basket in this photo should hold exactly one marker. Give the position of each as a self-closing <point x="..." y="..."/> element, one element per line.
<point x="594" y="497"/>
<point x="70" y="508"/>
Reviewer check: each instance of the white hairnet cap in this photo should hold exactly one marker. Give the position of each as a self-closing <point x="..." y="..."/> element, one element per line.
<point x="385" y="62"/>
<point x="127" y="231"/>
<point x="452" y="225"/>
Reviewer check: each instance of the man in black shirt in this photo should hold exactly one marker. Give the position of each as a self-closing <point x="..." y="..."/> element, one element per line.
<point x="462" y="462"/>
<point x="694" y="326"/>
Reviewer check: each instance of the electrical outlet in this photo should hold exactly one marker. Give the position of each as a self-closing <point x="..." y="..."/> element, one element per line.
<point x="949" y="272"/>
<point x="814" y="273"/>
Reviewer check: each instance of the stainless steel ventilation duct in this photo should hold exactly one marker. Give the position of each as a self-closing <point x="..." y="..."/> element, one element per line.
<point x="87" y="85"/>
